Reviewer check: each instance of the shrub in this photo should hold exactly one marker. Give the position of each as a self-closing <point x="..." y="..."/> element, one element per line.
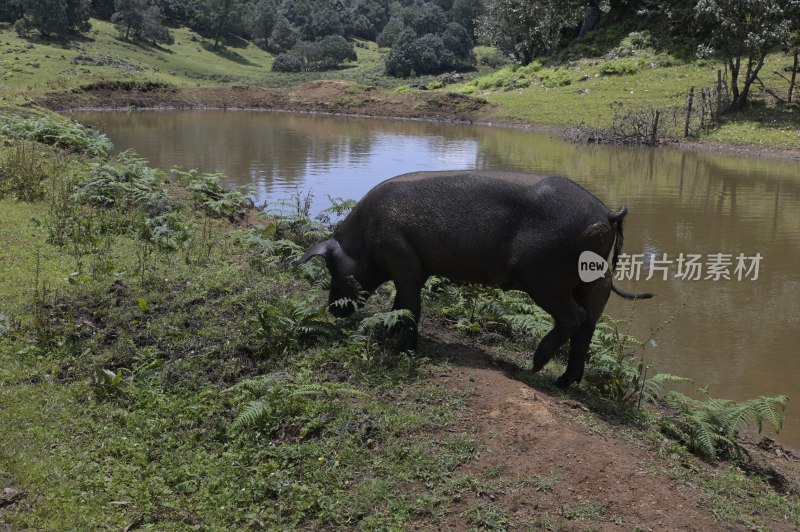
<point x="290" y="324"/>
<point x="57" y="132"/>
<point x="619" y="67"/>
<point x="492" y="58"/>
<point x="633" y="43"/>
<point x="23" y="26"/>
<point x="286" y="63"/>
<point x="22" y="173"/>
<point x="553" y="78"/>
<point x="324" y="54"/>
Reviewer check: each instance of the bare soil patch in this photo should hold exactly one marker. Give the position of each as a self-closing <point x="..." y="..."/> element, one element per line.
<point x="334" y="97"/>
<point x="550" y="463"/>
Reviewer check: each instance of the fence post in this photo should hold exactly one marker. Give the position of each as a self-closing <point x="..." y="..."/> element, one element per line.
<point x="719" y="93"/>
<point x="654" y="139"/>
<point x="688" y="112"/>
<point x="703" y="102"/>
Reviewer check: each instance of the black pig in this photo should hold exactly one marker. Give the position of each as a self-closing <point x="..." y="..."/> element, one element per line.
<point x="507" y="229"/>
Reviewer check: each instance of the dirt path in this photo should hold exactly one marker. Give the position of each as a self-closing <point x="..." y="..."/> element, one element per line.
<point x="549" y="463"/>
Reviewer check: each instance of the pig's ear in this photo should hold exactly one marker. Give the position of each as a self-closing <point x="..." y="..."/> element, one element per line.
<point x="324" y="248"/>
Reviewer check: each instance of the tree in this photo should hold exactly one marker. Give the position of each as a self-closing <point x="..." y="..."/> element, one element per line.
<point x="466" y="12"/>
<point x="390" y="32"/>
<point x="57" y="17"/>
<point x="284" y="36"/>
<point x="260" y="20"/>
<point x="456" y="39"/>
<point x="154" y="28"/>
<point x="324" y="54"/>
<point x="526" y="28"/>
<point x="424" y="18"/>
<point x="743" y="32"/>
<point x="142" y="21"/>
<point x="103" y="9"/>
<point x="219" y="18"/>
<point x="402" y="58"/>
<point x="366" y="18"/>
<point x="128" y="16"/>
<point x="11" y="10"/>
<point x="184" y="11"/>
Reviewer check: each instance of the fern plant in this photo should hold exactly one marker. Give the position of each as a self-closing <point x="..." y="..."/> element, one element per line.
<point x="282" y="402"/>
<point x="215" y="199"/>
<point x="65" y="134"/>
<point x="292" y="323"/>
<point x="375" y="331"/>
<point x="617" y="370"/>
<point x="339" y="208"/>
<point x="294" y="222"/>
<point x="710" y="427"/>
<point x="523" y="317"/>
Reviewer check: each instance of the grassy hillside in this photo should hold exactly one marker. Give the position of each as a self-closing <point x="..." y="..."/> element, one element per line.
<point x="563" y="92"/>
<point x="31" y="67"/>
<point x="584" y="91"/>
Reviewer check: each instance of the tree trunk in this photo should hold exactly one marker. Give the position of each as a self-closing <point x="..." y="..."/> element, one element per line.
<point x="750" y="76"/>
<point x="734" y="66"/>
<point x="794" y="75"/>
<point x="590" y="19"/>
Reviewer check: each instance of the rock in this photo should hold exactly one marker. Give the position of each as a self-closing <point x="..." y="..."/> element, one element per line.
<point x="653" y="65"/>
<point x="10" y="495"/>
<point x="583" y="91"/>
<point x="584" y="77"/>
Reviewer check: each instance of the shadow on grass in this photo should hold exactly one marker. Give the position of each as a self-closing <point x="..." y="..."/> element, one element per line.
<point x="479" y="357"/>
<point x="766" y="116"/>
<point x="146" y="46"/>
<point x="227" y="53"/>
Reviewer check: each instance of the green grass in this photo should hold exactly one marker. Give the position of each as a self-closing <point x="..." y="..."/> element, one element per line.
<point x="552" y="96"/>
<point x="23" y="250"/>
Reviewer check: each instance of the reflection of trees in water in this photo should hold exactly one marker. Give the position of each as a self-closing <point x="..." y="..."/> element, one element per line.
<point x="262" y="148"/>
<point x="709" y="190"/>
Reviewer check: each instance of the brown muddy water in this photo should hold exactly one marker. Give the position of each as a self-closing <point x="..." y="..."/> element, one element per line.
<point x="739" y="337"/>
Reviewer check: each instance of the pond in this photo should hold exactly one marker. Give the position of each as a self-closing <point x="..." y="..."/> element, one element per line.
<point x="739" y="337"/>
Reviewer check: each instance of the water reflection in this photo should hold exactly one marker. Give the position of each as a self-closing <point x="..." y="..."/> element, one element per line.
<point x="740" y="337"/>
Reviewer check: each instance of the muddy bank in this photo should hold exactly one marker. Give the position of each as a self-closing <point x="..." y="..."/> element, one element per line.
<point x="331" y="97"/>
<point x="335" y="97"/>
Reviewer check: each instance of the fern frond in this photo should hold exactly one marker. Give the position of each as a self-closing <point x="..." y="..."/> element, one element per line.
<point x="256" y="412"/>
<point x="385" y="321"/>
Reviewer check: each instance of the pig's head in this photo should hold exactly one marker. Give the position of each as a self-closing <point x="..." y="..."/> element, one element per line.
<point x="349" y="279"/>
